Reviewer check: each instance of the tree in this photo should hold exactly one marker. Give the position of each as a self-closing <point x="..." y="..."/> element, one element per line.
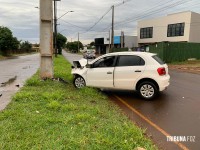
<point x="92" y="43"/>
<point x="61" y="40"/>
<point x="73" y="46"/>
<point x="7" y="41"/>
<point x="15" y="43"/>
<point x="26" y="46"/>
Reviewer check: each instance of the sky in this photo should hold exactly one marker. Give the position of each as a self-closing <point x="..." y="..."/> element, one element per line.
<point x="90" y="18"/>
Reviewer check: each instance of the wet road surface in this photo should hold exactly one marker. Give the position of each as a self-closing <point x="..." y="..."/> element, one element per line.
<point x="13" y="73"/>
<point x="175" y="112"/>
<point x="71" y="56"/>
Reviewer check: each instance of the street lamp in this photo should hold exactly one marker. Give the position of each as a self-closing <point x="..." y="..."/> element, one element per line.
<point x="65" y="14"/>
<point x="55" y="28"/>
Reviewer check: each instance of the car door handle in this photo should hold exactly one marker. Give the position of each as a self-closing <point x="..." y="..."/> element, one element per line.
<point x="138" y="71"/>
<point x="109" y="72"/>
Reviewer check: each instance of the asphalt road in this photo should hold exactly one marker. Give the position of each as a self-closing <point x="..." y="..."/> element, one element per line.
<point x="71" y="56"/>
<point x="16" y="71"/>
<point x="175" y="112"/>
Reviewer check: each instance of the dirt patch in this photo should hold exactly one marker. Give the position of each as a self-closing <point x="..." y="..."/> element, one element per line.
<point x="186" y="68"/>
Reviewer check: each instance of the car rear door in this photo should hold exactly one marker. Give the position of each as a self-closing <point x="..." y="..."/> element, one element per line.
<point x="128" y="69"/>
<point x="101" y="73"/>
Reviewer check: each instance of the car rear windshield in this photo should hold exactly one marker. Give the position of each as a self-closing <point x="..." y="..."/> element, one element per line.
<point x="158" y="60"/>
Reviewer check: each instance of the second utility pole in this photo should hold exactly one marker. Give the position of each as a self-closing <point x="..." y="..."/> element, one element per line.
<point x="55" y="29"/>
<point x="78" y="42"/>
<point x="112" y="34"/>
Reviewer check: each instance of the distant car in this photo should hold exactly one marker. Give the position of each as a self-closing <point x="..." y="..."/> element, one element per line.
<point x="140" y="71"/>
<point x="89" y="55"/>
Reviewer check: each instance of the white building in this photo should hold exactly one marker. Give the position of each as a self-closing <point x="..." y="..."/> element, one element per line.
<point x="179" y="27"/>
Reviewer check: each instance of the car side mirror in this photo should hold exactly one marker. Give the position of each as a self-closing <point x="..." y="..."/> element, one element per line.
<point x="89" y="66"/>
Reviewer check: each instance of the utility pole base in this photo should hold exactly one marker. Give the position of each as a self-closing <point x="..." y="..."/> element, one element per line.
<point x="46" y="70"/>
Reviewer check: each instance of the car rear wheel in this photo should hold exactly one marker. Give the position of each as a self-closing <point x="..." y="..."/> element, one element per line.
<point x="147" y="90"/>
<point x="79" y="82"/>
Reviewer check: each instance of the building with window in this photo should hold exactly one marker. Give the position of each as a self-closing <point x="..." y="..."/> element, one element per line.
<point x="103" y="44"/>
<point x="178" y="27"/>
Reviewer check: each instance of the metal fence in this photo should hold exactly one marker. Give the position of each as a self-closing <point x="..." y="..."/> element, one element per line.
<point x="176" y="51"/>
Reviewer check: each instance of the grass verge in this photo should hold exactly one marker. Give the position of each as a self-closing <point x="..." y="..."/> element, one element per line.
<point x="187" y="63"/>
<point x="2" y="57"/>
<point x="53" y="115"/>
<point x="16" y="55"/>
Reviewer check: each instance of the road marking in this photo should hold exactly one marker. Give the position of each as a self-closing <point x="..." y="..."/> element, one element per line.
<point x="150" y="122"/>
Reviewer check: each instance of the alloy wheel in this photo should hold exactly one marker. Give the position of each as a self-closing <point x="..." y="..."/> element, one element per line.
<point x="79" y="82"/>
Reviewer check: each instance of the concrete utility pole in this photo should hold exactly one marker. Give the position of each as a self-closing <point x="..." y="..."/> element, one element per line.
<point x="109" y="42"/>
<point x="78" y="42"/>
<point x="122" y="39"/>
<point x="112" y="34"/>
<point x="46" y="39"/>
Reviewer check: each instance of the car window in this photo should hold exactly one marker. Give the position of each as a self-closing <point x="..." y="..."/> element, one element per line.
<point x="158" y="60"/>
<point x="130" y="60"/>
<point x="104" y="62"/>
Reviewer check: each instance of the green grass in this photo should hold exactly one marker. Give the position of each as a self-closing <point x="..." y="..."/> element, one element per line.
<point x="53" y="115"/>
<point x="14" y="55"/>
<point x="1" y="57"/>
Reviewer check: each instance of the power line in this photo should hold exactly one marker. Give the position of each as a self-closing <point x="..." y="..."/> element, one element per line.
<point x="153" y="12"/>
<point x="147" y="13"/>
<point x="159" y="4"/>
<point x="117" y="5"/>
<point x="143" y="15"/>
<point x="98" y="20"/>
<point x="72" y="24"/>
<point x="122" y="3"/>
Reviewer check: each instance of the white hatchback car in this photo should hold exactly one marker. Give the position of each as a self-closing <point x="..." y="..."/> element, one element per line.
<point x="140" y="71"/>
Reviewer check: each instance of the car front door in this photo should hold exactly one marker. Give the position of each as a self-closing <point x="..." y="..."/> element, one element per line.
<point x="101" y="73"/>
<point x="128" y="69"/>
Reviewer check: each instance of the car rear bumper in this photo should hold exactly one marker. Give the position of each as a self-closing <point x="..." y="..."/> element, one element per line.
<point x="164" y="82"/>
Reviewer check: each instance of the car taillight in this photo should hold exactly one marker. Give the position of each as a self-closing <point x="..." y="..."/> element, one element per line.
<point x="161" y="71"/>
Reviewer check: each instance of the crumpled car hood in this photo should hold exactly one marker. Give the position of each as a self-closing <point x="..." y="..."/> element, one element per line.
<point x="80" y="63"/>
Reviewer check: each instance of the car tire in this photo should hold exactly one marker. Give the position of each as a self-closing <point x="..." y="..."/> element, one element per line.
<point x="79" y="82"/>
<point x="147" y="90"/>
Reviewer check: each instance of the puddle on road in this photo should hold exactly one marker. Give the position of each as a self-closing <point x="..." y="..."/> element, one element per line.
<point x="7" y="89"/>
<point x="10" y="81"/>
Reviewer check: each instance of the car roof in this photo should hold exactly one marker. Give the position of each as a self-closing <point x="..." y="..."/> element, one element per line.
<point x="131" y="53"/>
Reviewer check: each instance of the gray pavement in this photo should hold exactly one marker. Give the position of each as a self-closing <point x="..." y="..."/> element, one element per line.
<point x="17" y="70"/>
<point x="71" y="56"/>
<point x="176" y="111"/>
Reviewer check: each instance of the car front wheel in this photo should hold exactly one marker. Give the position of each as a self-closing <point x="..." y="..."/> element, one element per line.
<point x="79" y="82"/>
<point x="147" y="90"/>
